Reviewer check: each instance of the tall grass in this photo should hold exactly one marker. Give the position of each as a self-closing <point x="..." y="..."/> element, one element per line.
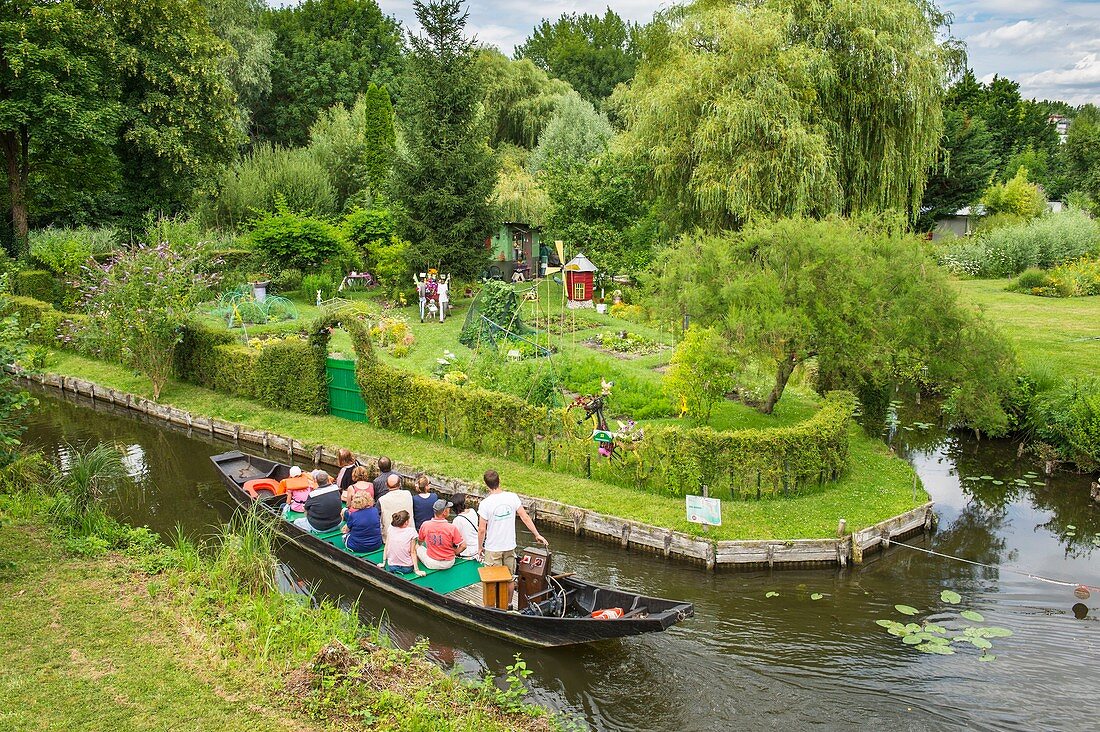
<point x="86" y="477"/>
<point x="243" y="554"/>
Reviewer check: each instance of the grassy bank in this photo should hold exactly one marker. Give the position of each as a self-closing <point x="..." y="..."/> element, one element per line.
<point x="876" y="486"/>
<point x="1059" y="334"/>
<point x="150" y="637"/>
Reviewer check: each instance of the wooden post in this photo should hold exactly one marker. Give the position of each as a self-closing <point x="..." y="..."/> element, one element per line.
<point x="841" y="527"/>
<point x="587" y="466"/>
<point x="706" y="494"/>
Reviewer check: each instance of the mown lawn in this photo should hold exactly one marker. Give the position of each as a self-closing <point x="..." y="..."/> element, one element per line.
<point x="85" y="648"/>
<point x="1059" y="334"/>
<point x="876" y="485"/>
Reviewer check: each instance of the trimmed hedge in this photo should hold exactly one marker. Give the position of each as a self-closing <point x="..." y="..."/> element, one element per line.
<point x="289" y="374"/>
<point x="38" y="284"/>
<point x="49" y="326"/>
<point x="669" y="460"/>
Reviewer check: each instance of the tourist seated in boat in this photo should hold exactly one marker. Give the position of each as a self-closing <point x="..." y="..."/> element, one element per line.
<point x="323" y="507"/>
<point x="400" y="554"/>
<point x="296" y="488"/>
<point x="423" y="501"/>
<point x="465" y="521"/>
<point x="360" y="483"/>
<point x="347" y="463"/>
<point x="381" y="483"/>
<point x="362" y="524"/>
<point x="442" y="539"/>
<point x="393" y="500"/>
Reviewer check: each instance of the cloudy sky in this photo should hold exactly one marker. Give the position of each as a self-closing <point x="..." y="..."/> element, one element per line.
<point x="1052" y="47"/>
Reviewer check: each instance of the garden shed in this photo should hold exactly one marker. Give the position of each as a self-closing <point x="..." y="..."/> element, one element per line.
<point x="516" y="245"/>
<point x="579" y="277"/>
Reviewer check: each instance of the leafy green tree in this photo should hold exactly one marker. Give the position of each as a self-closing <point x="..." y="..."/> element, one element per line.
<point x="601" y="209"/>
<point x="576" y="134"/>
<point x="1082" y="154"/>
<point x="179" y="115"/>
<point x="519" y="195"/>
<point x="591" y="53"/>
<point x="701" y="372"/>
<point x="445" y="179"/>
<point x="326" y="52"/>
<point x="356" y="146"/>
<point x="861" y="300"/>
<point x="519" y="98"/>
<point x="781" y="107"/>
<point x="1018" y="196"/>
<point x="56" y="98"/>
<point x="239" y="23"/>
<point x="966" y="166"/>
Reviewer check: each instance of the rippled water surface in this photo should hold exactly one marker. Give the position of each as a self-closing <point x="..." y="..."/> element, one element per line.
<point x="746" y="660"/>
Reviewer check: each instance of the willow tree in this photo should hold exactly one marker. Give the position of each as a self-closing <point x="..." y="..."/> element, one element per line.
<point x="789" y="107"/>
<point x="519" y="98"/>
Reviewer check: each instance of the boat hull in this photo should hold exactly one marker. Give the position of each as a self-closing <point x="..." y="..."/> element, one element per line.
<point x="235" y="468"/>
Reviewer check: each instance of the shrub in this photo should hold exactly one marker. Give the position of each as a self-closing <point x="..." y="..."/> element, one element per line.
<point x="287" y="281"/>
<point x="1017" y="196"/>
<point x="1032" y="279"/>
<point x="314" y="282"/>
<point x="50" y="327"/>
<point x="701" y="373"/>
<point x="1067" y="417"/>
<point x="139" y="301"/>
<point x="270" y="175"/>
<point x="1044" y="242"/>
<point x="64" y="251"/>
<point x="391" y="265"/>
<point x="287" y="239"/>
<point x="39" y="284"/>
<point x="1079" y="278"/>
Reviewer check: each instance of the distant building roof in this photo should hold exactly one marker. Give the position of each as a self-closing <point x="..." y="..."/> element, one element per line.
<point x="580" y="263"/>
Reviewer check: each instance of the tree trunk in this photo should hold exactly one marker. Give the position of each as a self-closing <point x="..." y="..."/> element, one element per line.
<point x="16" y="144"/>
<point x="782" y="374"/>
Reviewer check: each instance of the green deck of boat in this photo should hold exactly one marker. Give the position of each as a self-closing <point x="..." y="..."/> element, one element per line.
<point x="462" y="574"/>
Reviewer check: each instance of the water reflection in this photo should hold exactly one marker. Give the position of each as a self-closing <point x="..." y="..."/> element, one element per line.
<point x="746" y="659"/>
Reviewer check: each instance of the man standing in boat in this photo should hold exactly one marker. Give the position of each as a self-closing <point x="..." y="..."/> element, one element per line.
<point x="496" y="532"/>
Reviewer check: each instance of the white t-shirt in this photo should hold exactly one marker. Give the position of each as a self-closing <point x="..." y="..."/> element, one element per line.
<point x="442" y="289"/>
<point x="499" y="511"/>
<point x="396" y="500"/>
<point x="466" y="523"/>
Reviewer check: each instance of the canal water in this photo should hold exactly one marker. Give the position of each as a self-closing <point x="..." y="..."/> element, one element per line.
<point x="809" y="656"/>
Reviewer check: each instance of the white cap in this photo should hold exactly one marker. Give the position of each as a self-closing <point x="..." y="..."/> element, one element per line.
<point x="295" y="472"/>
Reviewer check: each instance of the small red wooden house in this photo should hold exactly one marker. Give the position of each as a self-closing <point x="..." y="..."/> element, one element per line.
<point x="579" y="275"/>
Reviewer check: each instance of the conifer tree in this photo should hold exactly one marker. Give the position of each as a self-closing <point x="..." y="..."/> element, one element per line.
<point x="444" y="179"/>
<point x="380" y="138"/>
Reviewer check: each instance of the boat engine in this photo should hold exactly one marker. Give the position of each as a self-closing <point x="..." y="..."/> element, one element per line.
<point x="533" y="571"/>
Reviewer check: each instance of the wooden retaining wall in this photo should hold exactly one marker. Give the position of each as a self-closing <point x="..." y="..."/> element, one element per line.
<point x="627" y="534"/>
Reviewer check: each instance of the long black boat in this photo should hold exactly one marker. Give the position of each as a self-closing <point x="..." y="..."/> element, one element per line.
<point x="562" y="616"/>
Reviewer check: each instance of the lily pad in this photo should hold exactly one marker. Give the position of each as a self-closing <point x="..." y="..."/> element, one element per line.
<point x="972" y="616"/>
<point x="981" y="643"/>
<point x="987" y="477"/>
<point x="950" y="597"/>
<point x="994" y="631"/>
<point x="906" y="609"/>
<point x="912" y="640"/>
<point x="987" y="657"/>
<point x="933" y="628"/>
<point x="1031" y="475"/>
<point x="998" y="482"/>
<point x="936" y="648"/>
<point x="1071" y="527"/>
<point x="773" y="593"/>
<point x="1071" y="533"/>
<point x="1038" y="483"/>
<point x="888" y="623"/>
<point x="899" y="631"/>
<point x="816" y="596"/>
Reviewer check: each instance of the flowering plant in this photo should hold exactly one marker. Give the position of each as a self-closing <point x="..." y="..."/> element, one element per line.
<point x="138" y="301"/>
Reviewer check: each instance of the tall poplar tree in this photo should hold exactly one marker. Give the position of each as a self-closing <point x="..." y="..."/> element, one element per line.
<point x="380" y="137"/>
<point x="445" y="179"/>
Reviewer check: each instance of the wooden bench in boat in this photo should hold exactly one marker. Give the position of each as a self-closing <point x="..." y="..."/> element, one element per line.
<point x="460" y="581"/>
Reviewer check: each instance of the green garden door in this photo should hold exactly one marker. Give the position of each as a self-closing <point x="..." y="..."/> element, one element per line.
<point x="344" y="399"/>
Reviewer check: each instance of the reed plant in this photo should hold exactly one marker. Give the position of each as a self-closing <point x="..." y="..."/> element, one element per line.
<point x="87" y="476"/>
